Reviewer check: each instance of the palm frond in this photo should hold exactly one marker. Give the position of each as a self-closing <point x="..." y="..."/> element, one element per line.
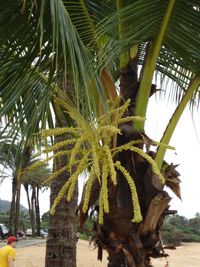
<point x="179" y="55"/>
<point x="45" y="37"/>
<point x="36" y="176"/>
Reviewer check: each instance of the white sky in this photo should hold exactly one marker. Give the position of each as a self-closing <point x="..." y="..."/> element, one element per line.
<point x="186" y="154"/>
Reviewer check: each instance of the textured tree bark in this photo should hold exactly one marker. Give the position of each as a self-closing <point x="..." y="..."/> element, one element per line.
<point x="33" y="209"/>
<point x="61" y="242"/>
<point x="29" y="206"/>
<point x="37" y="211"/>
<point x="26" y="187"/>
<point x="13" y="206"/>
<point x="17" y="209"/>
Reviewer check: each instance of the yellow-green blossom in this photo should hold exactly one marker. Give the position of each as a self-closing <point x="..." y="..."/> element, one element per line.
<point x="136" y="206"/>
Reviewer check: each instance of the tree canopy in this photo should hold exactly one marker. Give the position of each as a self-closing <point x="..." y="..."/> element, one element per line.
<point x="61" y="61"/>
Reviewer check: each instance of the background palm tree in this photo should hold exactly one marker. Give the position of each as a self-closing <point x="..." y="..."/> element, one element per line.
<point x="33" y="182"/>
<point x="12" y="162"/>
<point x="123" y="36"/>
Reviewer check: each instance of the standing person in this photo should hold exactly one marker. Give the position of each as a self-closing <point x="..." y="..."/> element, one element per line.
<point x="8" y="253"/>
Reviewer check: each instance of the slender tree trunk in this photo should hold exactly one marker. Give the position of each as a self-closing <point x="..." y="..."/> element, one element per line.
<point x="37" y="211"/>
<point x="33" y="210"/>
<point x="17" y="209"/>
<point x="16" y="191"/>
<point x="13" y="206"/>
<point x="29" y="206"/>
<point x="29" y="203"/>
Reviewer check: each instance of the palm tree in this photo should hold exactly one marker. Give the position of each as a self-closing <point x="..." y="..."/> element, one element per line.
<point x="33" y="181"/>
<point x="16" y="164"/>
<point x="11" y="160"/>
<point x="123" y="36"/>
<point x="43" y="83"/>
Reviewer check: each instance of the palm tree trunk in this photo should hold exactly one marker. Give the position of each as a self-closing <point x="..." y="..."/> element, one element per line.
<point x="13" y="206"/>
<point x="37" y="211"/>
<point x="29" y="205"/>
<point x="17" y="209"/>
<point x="33" y="210"/>
<point x="28" y="201"/>
<point x="132" y="244"/>
<point x="61" y="242"/>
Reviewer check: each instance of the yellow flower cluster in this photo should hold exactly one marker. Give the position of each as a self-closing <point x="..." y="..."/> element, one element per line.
<point x="104" y="189"/>
<point x="59" y="131"/>
<point x="92" y="148"/>
<point x="136" y="205"/>
<point x="59" y="196"/>
<point x="60" y="145"/>
<point x="88" y="191"/>
<point x="110" y="163"/>
<point x="139" y="151"/>
<point x="100" y="209"/>
<point x="83" y="165"/>
<point x="75" y="151"/>
<point x="95" y="161"/>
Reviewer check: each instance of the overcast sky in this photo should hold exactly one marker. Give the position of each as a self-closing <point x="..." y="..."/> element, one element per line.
<point x="187" y="155"/>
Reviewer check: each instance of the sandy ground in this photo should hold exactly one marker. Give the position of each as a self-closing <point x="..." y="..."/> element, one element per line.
<point x="187" y="255"/>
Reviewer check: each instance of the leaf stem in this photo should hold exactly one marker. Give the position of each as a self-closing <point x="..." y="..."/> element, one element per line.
<point x="150" y="65"/>
<point x="194" y="85"/>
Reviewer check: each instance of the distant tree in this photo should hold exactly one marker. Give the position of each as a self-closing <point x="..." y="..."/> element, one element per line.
<point x="87" y="231"/>
<point x="45" y="220"/>
<point x="45" y="216"/>
<point x="16" y="161"/>
<point x="194" y="223"/>
<point x="177" y="229"/>
<point x="33" y="180"/>
<point x="179" y="221"/>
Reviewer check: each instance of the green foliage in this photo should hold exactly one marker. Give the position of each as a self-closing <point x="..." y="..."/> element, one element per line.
<point x="23" y="219"/>
<point x="87" y="230"/>
<point x="45" y="220"/>
<point x="177" y="229"/>
<point x="45" y="216"/>
<point x="35" y="50"/>
<point x="36" y="176"/>
<point x="83" y="236"/>
<point x="44" y="224"/>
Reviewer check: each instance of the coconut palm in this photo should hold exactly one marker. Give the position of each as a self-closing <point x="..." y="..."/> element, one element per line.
<point x="46" y="81"/>
<point x="50" y="40"/>
<point x="33" y="181"/>
<point x="16" y="164"/>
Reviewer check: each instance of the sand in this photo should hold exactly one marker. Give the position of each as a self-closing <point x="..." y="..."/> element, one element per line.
<point x="187" y="255"/>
